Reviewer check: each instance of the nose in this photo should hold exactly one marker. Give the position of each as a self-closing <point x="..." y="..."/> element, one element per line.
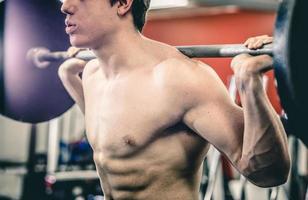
<point x="68" y="7"/>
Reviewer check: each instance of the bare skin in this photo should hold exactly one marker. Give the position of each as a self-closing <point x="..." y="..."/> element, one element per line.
<point x="151" y="113"/>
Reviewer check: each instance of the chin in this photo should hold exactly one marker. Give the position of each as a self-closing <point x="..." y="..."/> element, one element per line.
<point x="77" y="42"/>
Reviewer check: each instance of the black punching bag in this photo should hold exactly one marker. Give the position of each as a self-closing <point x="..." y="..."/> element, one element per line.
<point x="30" y="94"/>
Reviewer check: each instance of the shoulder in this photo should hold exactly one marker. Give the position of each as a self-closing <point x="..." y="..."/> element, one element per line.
<point x="186" y="72"/>
<point x="91" y="67"/>
<point x="193" y="81"/>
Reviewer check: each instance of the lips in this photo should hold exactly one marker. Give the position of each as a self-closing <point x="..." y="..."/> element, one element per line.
<point x="70" y="27"/>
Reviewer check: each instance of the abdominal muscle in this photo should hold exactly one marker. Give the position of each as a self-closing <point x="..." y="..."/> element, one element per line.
<point x="168" y="167"/>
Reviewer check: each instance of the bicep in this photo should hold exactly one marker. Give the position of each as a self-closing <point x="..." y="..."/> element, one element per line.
<point x="221" y="124"/>
<point x="213" y="115"/>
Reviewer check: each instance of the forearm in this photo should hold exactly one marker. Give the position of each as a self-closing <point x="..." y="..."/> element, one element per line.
<point x="264" y="150"/>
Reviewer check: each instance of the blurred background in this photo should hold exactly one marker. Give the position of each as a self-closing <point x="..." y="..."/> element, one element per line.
<point x="53" y="160"/>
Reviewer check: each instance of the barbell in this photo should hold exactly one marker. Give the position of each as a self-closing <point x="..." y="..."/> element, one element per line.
<point x="288" y="51"/>
<point x="42" y="57"/>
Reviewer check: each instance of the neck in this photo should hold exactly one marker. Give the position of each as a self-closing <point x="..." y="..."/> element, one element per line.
<point x="121" y="52"/>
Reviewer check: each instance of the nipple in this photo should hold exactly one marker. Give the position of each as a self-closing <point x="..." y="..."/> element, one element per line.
<point x="129" y="140"/>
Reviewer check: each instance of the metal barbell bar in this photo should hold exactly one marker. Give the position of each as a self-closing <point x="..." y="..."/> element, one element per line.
<point x="41" y="56"/>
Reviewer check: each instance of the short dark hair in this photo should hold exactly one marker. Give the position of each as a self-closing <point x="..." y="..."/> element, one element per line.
<point x="139" y="10"/>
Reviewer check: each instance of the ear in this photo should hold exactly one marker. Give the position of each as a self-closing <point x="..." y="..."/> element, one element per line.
<point x="124" y="6"/>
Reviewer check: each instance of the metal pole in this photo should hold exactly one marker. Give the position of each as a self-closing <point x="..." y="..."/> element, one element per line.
<point x="42" y="56"/>
<point x="53" y="146"/>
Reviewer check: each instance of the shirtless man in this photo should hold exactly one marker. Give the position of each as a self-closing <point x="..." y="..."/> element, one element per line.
<point x="151" y="113"/>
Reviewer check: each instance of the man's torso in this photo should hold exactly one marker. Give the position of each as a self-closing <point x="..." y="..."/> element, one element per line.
<point x="142" y="149"/>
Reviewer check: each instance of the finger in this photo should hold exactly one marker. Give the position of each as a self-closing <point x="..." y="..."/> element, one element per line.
<point x="250" y="46"/>
<point x="72" y="51"/>
<point x="258" y="44"/>
<point x="249" y="41"/>
<point x="74" y="61"/>
<point x="252" y="43"/>
<point x="262" y="36"/>
<point x="246" y="42"/>
<point x="268" y="40"/>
